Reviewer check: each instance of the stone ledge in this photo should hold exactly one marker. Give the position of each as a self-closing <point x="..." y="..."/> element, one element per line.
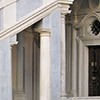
<point x="84" y="98"/>
<point x="21" y="96"/>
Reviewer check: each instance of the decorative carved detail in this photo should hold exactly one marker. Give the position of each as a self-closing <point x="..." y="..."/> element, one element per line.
<point x="43" y="31"/>
<point x="95" y="27"/>
<point x="84" y="5"/>
<point x="94" y="3"/>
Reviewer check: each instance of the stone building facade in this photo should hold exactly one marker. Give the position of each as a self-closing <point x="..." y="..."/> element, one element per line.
<point x="49" y="49"/>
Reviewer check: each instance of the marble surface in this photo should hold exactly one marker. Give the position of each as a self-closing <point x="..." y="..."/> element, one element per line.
<point x="24" y="7"/>
<point x="1" y="20"/>
<point x="5" y="69"/>
<point x="55" y="54"/>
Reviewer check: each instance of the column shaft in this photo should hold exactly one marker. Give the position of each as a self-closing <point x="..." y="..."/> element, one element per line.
<point x="63" y="58"/>
<point x="45" y="65"/>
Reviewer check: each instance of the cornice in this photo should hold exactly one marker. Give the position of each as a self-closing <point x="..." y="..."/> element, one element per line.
<point x="32" y="18"/>
<point x="65" y="1"/>
<point x="64" y="6"/>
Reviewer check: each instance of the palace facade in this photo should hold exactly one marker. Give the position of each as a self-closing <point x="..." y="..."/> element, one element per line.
<point x="49" y="49"/>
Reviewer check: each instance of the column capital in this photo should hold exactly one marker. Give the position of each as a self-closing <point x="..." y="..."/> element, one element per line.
<point x="43" y="31"/>
<point x="64" y="9"/>
<point x="64" y="6"/>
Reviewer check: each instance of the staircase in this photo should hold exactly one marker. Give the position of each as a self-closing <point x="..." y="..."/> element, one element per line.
<point x="33" y="17"/>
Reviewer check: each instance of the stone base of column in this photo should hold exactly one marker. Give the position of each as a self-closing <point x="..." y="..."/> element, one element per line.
<point x="64" y="98"/>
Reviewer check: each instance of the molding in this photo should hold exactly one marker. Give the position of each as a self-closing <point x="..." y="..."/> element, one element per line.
<point x="83" y="43"/>
<point x="32" y="18"/>
<point x="84" y="98"/>
<point x="65" y="1"/>
<point x="65" y="9"/>
<point x="43" y="31"/>
<point x="13" y="40"/>
<point x="94" y="5"/>
<point x="5" y="3"/>
<point x="86" y="18"/>
<point x="90" y="40"/>
<point x="84" y="26"/>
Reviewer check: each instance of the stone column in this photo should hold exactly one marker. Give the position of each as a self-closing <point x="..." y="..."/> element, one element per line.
<point x="63" y="58"/>
<point x="64" y="11"/>
<point x="74" y="63"/>
<point x="45" y="64"/>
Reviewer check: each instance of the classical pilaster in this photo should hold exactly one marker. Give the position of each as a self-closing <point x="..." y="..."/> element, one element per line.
<point x="3" y="78"/>
<point x="13" y="63"/>
<point x="69" y="59"/>
<point x="63" y="59"/>
<point x="64" y="11"/>
<point x="74" y="63"/>
<point x="6" y="69"/>
<point x="45" y="64"/>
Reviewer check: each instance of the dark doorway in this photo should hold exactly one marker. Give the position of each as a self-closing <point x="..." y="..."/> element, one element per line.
<point x="94" y="70"/>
